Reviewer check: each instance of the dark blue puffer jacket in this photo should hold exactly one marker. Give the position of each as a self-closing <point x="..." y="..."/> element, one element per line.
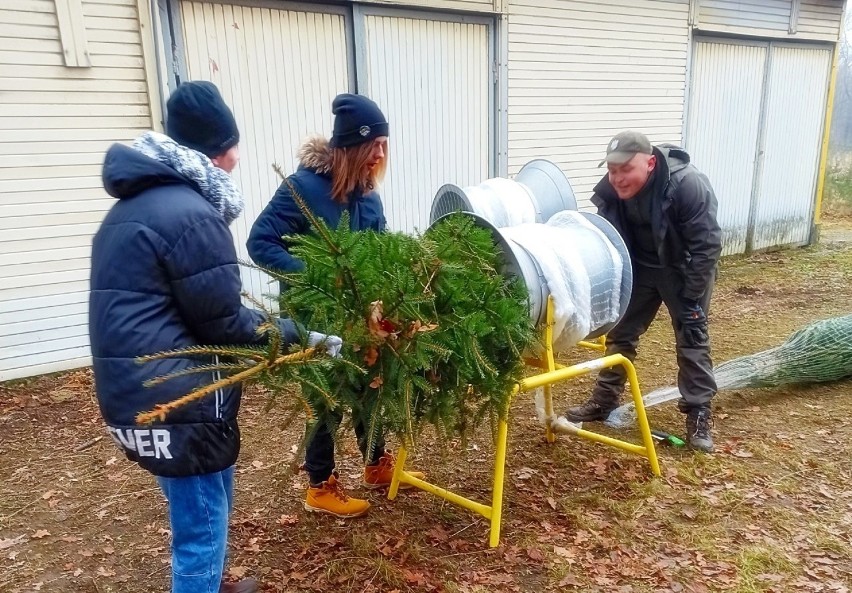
<point x="282" y="216"/>
<point x="165" y="276"/>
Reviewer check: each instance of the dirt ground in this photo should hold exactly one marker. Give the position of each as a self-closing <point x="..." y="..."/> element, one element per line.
<point x="770" y="511"/>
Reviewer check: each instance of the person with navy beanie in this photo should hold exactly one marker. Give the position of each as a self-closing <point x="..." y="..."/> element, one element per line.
<point x="165" y="276"/>
<point x="335" y="175"/>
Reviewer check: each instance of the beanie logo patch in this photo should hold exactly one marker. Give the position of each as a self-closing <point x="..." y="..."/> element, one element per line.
<point x="364" y="131"/>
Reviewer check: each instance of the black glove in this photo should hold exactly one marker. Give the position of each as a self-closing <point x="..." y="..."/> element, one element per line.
<point x="693" y="323"/>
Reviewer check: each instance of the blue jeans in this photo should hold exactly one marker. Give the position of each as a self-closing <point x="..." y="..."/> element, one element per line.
<point x="198" y="513"/>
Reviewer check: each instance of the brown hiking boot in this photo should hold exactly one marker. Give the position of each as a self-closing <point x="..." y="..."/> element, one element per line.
<point x="329" y="497"/>
<point x="243" y="586"/>
<point x="381" y="474"/>
<point x="589" y="412"/>
<point x="698" y="423"/>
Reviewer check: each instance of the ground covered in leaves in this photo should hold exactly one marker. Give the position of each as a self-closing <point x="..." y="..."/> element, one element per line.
<point x="771" y="511"/>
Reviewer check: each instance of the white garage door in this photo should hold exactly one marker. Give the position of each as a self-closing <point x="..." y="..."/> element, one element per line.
<point x="432" y="79"/>
<point x="279" y="70"/>
<point x="755" y="122"/>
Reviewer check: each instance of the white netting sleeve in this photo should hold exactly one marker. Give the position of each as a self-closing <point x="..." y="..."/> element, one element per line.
<point x="821" y="351"/>
<point x="582" y="270"/>
<point x="563" y="270"/>
<point x="603" y="264"/>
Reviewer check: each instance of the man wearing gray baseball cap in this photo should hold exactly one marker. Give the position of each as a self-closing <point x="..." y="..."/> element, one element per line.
<point x="665" y="210"/>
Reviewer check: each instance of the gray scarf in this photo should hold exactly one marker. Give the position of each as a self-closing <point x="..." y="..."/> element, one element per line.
<point x="215" y="185"/>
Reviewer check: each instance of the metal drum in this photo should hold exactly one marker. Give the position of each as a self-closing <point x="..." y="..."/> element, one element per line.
<point x="538" y="191"/>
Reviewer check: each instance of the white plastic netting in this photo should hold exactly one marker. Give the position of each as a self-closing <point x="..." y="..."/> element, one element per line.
<point x="582" y="270"/>
<point x="821" y="351"/>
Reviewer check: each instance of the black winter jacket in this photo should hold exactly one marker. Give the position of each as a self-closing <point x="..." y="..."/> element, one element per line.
<point x="165" y="276"/>
<point x="683" y="219"/>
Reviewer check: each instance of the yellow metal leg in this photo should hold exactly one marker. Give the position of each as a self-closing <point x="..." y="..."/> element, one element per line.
<point x="401" y="456"/>
<point x="641" y="416"/>
<point x="549" y="365"/>
<point x="497" y="491"/>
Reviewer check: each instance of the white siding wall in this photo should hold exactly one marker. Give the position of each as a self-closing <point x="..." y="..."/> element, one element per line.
<point x="817" y="20"/>
<point x="581" y="71"/>
<point x="279" y="71"/>
<point x="55" y="124"/>
<point x="432" y="78"/>
<point x="820" y="19"/>
<point x="772" y="15"/>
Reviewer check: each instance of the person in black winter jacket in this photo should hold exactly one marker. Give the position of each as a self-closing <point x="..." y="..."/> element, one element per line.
<point x="665" y="210"/>
<point x="336" y="176"/>
<point x="165" y="276"/>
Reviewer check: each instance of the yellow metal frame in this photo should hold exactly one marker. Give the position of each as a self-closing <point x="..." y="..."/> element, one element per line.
<point x="554" y="373"/>
<point x="826" y="134"/>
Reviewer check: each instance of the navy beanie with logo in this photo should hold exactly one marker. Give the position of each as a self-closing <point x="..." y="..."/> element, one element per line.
<point x="357" y="119"/>
<point x="198" y="118"/>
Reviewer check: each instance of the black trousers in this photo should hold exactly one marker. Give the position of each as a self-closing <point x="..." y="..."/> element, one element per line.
<point x="651" y="288"/>
<point x="319" y="452"/>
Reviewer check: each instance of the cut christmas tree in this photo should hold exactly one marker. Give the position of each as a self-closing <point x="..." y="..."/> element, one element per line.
<point x="433" y="333"/>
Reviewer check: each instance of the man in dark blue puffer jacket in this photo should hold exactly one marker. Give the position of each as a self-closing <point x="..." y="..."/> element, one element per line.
<point x="165" y="276"/>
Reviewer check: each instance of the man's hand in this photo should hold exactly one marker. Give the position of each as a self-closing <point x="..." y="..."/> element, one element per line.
<point x="694" y="323"/>
<point x="332" y="344"/>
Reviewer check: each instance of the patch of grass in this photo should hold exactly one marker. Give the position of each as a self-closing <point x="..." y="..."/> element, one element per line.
<point x="755" y="561"/>
<point x="837" y="199"/>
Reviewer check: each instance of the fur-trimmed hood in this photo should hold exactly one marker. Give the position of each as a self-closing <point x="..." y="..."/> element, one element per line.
<point x="315" y="154"/>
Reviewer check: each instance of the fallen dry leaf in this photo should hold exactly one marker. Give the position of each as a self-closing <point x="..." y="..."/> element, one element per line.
<point x="11" y="541"/>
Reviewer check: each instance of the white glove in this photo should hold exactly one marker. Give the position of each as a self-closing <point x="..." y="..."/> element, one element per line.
<point x="332" y="344"/>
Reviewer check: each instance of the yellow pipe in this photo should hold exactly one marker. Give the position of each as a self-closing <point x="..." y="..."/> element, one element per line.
<point x="566" y="373"/>
<point x="598" y="344"/>
<point x="496" y="509"/>
<point x="399" y="465"/>
<point x="641" y="416"/>
<point x="826" y="134"/>
<point x="454" y="498"/>
<point x="551" y="365"/>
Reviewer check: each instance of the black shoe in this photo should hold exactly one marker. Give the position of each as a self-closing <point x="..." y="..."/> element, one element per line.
<point x="589" y="412"/>
<point x="698" y="424"/>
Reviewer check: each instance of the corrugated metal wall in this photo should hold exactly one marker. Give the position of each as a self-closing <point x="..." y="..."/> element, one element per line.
<point x="755" y="125"/>
<point x="433" y="81"/>
<point x="279" y="71"/>
<point x="772" y="15"/>
<point x="794" y="113"/>
<point x="722" y="131"/>
<point x="55" y="124"/>
<point x="579" y="72"/>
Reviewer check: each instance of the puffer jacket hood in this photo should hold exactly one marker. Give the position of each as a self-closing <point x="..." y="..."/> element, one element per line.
<point x="127" y="173"/>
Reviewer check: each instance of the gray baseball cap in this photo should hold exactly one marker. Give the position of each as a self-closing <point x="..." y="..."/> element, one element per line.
<point x="624" y="146"/>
